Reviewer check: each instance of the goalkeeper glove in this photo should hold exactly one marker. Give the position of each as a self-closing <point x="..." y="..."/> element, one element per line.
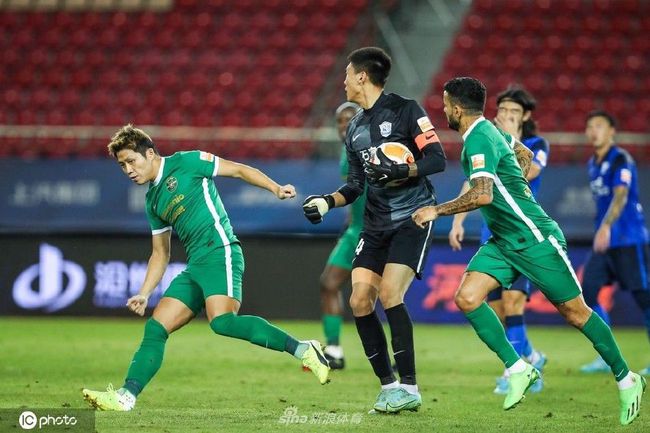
<point x="315" y="206"/>
<point x="386" y="171"/>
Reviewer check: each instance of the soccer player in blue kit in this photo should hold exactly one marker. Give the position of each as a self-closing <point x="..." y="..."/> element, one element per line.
<point x="620" y="247"/>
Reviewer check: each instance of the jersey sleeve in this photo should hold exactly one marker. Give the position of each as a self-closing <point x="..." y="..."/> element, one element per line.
<point x="540" y="149"/>
<point x="622" y="175"/>
<point x="157" y="225"/>
<point x="204" y="163"/>
<point x="420" y="126"/>
<point x="482" y="156"/>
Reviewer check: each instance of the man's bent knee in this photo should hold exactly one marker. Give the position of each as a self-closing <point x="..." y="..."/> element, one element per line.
<point x="467" y="301"/>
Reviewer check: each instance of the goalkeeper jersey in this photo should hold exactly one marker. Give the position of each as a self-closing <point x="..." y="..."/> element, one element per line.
<point x="392" y="118"/>
<point x="515" y="219"/>
<point x="184" y="197"/>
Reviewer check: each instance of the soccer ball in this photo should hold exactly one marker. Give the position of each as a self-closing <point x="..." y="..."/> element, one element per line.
<point x="399" y="154"/>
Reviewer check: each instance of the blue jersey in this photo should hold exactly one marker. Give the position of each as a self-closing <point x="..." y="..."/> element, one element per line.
<point x="618" y="168"/>
<point x="540" y="148"/>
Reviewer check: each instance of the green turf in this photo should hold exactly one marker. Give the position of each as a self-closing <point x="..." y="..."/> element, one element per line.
<point x="213" y="384"/>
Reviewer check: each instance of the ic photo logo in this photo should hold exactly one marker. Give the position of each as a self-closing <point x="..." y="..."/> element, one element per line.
<point x="28" y="420"/>
<point x="49" y="272"/>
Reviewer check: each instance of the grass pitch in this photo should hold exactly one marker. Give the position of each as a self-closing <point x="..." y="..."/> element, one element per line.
<point x="213" y="384"/>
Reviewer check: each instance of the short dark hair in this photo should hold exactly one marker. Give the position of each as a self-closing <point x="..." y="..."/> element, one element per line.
<point x="519" y="95"/>
<point x="373" y="61"/>
<point x="602" y="113"/>
<point x="467" y="92"/>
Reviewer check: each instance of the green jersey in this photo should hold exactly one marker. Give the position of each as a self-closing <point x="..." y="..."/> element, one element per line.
<point x="515" y="219"/>
<point x="359" y="205"/>
<point x="183" y="197"/>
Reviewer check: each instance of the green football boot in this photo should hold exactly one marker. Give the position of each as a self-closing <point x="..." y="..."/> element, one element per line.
<point x="631" y="399"/>
<point x="314" y="360"/>
<point x="518" y="385"/>
<point x="111" y="399"/>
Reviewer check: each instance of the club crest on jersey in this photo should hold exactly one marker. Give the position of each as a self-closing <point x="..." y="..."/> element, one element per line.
<point x="385" y="129"/>
<point x="171" y="183"/>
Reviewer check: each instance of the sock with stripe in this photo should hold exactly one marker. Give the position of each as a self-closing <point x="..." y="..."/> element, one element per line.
<point x="489" y="329"/>
<point x="600" y="335"/>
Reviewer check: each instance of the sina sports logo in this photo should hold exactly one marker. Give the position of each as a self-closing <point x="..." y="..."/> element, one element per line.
<point x="171" y="183"/>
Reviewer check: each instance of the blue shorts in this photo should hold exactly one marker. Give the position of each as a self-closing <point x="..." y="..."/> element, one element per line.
<point x="627" y="266"/>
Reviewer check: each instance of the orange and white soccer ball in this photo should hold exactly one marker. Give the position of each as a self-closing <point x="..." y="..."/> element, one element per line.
<point x="397" y="153"/>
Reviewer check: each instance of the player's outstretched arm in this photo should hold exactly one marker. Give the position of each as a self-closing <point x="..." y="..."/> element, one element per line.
<point x="155" y="270"/>
<point x="254" y="177"/>
<point x="480" y="194"/>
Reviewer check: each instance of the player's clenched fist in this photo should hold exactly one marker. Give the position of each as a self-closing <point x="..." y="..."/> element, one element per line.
<point x="423" y="215"/>
<point x="316" y="206"/>
<point x="137" y="304"/>
<point x="285" y="191"/>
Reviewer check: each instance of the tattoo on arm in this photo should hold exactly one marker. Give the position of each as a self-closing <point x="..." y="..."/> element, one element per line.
<point x="472" y="199"/>
<point x="524" y="157"/>
<point x="617" y="205"/>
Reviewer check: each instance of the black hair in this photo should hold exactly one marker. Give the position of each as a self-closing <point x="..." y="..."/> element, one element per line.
<point x="602" y="113"/>
<point x="373" y="61"/>
<point x="467" y="92"/>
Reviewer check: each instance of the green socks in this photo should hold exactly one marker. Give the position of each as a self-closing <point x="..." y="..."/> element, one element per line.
<point x="254" y="329"/>
<point x="489" y="329"/>
<point x="332" y="328"/>
<point x="148" y="358"/>
<point x="602" y="338"/>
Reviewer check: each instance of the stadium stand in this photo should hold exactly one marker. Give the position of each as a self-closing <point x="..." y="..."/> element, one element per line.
<point x="574" y="55"/>
<point x="201" y="63"/>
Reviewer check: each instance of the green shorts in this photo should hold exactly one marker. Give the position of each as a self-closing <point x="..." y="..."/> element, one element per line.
<point x="218" y="273"/>
<point x="344" y="251"/>
<point x="545" y="264"/>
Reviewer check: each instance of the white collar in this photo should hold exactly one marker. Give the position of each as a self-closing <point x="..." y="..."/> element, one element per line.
<point x="469" y="130"/>
<point x="156" y="181"/>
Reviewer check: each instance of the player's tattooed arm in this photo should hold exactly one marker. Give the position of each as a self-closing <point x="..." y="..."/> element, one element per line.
<point x="524" y="157"/>
<point x="617" y="205"/>
<point x="480" y="194"/>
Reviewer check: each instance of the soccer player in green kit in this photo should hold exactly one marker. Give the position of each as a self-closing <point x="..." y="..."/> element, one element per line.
<point x="525" y="241"/>
<point x="183" y="196"/>
<point x="339" y="264"/>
